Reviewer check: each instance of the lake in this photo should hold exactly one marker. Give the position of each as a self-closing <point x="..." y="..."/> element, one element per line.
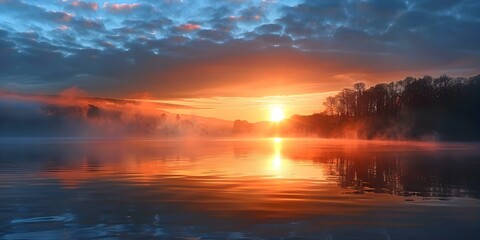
<point x="269" y="188"/>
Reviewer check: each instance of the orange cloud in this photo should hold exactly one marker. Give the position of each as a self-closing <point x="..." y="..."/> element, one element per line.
<point x="66" y="17"/>
<point x="63" y="28"/>
<point x="189" y="27"/>
<point x="85" y="5"/>
<point x="244" y="18"/>
<point x="73" y="92"/>
<point x="120" y="7"/>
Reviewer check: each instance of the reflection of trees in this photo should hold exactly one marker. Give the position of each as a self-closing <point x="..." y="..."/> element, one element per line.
<point x="423" y="176"/>
<point x="400" y="172"/>
<point x="370" y="175"/>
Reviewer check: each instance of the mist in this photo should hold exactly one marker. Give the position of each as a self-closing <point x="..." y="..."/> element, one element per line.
<point x="420" y="109"/>
<point x="423" y="109"/>
<point x="73" y="115"/>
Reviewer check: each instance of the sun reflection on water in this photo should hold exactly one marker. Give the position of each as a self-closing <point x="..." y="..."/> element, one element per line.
<point x="277" y="161"/>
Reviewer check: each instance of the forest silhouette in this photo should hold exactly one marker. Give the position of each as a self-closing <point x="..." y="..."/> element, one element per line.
<point x="427" y="108"/>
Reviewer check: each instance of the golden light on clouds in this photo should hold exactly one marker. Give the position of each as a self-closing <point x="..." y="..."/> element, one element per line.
<point x="252" y="109"/>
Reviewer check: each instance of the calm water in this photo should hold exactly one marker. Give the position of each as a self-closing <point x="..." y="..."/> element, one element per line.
<point x="238" y="189"/>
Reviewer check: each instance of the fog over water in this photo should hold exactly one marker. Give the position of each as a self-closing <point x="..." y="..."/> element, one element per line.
<point x="71" y="115"/>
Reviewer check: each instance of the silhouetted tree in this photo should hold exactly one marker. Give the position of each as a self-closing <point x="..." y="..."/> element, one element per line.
<point x="93" y="111"/>
<point x="444" y="107"/>
<point x="242" y="127"/>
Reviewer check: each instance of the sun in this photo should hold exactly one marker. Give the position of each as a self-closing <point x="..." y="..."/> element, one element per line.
<point x="277" y="114"/>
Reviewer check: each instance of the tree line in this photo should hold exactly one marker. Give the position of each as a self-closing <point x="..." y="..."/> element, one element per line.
<point x="443" y="108"/>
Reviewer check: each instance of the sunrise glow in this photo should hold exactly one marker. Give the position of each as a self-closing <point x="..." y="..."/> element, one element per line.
<point x="277" y="114"/>
<point x="239" y="119"/>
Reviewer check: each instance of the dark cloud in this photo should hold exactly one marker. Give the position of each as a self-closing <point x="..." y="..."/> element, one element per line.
<point x="251" y="14"/>
<point x="152" y="25"/>
<point x="437" y="5"/>
<point x="275" y="39"/>
<point x="269" y="28"/>
<point x="213" y="35"/>
<point x="191" y="48"/>
<point x="26" y="12"/>
<point x="83" y="25"/>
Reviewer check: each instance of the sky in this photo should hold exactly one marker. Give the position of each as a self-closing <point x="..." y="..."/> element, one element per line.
<point x="232" y="59"/>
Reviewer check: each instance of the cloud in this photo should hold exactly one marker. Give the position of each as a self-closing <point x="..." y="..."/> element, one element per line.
<point x="217" y="48"/>
<point x="84" y="6"/>
<point x="269" y="28"/>
<point x="437" y="5"/>
<point x="213" y="35"/>
<point x="27" y="13"/>
<point x="188" y="27"/>
<point x="82" y="25"/>
<point x="120" y="7"/>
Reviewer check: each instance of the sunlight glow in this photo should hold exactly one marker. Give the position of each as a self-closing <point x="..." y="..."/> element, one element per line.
<point x="277" y="161"/>
<point x="277" y="114"/>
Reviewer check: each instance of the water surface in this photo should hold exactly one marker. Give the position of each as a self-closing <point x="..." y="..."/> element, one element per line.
<point x="238" y="189"/>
